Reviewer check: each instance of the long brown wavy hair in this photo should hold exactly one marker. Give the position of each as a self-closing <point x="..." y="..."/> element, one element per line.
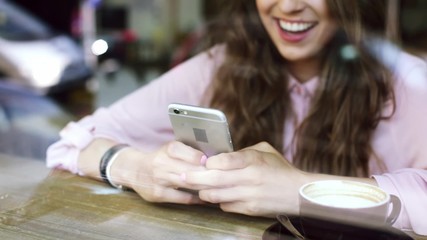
<point x="251" y="87"/>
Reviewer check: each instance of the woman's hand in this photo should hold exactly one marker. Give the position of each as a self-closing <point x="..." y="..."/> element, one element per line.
<point x="157" y="176"/>
<point x="255" y="181"/>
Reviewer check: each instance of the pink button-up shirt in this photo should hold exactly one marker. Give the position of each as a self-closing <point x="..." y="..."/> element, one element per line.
<point x="141" y="119"/>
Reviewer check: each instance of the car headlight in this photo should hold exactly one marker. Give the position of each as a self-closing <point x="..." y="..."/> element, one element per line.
<point x="43" y="75"/>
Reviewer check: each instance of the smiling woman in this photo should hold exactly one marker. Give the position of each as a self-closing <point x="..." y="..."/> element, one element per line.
<point x="312" y="90"/>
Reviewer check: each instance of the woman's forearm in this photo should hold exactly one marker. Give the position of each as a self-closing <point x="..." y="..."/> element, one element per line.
<point x="122" y="169"/>
<point x="90" y="157"/>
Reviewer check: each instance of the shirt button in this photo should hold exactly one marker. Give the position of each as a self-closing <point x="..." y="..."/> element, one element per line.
<point x="298" y="90"/>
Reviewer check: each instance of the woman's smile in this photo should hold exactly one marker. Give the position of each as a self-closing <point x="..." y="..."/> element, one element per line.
<point x="299" y="29"/>
<point x="294" y="31"/>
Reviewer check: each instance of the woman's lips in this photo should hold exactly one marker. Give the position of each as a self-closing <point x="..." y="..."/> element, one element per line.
<point x="294" y="31"/>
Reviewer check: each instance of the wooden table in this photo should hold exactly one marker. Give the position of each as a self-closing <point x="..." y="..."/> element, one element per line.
<point x="36" y="203"/>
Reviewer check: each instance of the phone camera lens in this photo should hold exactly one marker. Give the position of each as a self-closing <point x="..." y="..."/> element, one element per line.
<point x="176" y="111"/>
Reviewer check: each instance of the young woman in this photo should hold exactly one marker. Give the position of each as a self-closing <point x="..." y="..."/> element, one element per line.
<point x="312" y="90"/>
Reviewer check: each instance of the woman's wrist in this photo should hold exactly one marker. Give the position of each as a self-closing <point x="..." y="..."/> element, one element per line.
<point x="107" y="160"/>
<point x="90" y="157"/>
<point x="124" y="171"/>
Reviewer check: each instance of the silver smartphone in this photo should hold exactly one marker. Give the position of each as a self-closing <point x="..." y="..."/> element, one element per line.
<point x="202" y="128"/>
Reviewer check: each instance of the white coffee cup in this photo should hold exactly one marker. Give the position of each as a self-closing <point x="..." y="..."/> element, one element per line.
<point x="348" y="202"/>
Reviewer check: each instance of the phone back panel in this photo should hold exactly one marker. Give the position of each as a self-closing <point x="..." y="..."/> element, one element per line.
<point x="205" y="129"/>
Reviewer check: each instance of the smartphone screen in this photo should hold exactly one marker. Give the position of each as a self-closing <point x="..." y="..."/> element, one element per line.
<point x="202" y="128"/>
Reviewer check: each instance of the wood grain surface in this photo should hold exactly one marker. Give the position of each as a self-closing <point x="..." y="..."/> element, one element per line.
<point x="39" y="203"/>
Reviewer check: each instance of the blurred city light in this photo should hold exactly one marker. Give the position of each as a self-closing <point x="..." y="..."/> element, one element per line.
<point x="44" y="75"/>
<point x="99" y="47"/>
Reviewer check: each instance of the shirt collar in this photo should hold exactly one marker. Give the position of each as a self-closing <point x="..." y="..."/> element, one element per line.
<point x="308" y="87"/>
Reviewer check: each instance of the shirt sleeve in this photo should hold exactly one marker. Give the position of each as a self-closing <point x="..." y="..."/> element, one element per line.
<point x="410" y="185"/>
<point x="406" y="157"/>
<point x="140" y="118"/>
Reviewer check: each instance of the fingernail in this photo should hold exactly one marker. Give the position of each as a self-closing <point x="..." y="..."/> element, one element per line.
<point x="183" y="176"/>
<point x="203" y="160"/>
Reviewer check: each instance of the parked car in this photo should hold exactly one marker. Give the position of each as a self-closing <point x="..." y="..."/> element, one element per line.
<point x="29" y="122"/>
<point x="34" y="55"/>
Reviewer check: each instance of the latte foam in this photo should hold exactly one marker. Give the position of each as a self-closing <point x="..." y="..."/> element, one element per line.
<point x="344" y="201"/>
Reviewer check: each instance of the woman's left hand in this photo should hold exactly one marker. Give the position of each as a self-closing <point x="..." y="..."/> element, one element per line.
<point x="255" y="181"/>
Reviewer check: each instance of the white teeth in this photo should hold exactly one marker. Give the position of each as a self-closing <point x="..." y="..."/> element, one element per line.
<point x="295" y="27"/>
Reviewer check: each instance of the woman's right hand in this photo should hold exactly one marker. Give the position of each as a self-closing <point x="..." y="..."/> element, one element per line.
<point x="157" y="176"/>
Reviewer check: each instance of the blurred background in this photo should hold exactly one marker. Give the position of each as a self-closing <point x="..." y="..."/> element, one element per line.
<point x="60" y="60"/>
